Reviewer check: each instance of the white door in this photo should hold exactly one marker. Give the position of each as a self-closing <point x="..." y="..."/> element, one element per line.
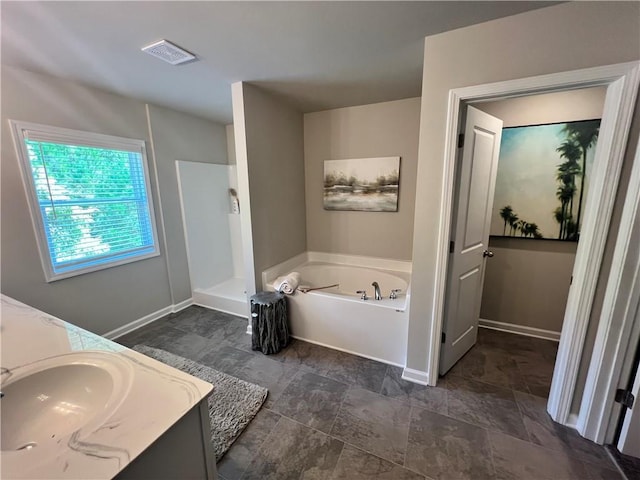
<point x="476" y="179"/>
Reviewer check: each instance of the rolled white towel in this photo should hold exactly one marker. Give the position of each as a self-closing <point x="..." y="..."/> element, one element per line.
<point x="288" y="283"/>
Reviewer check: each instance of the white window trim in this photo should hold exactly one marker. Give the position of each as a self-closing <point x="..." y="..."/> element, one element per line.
<point x="19" y="130"/>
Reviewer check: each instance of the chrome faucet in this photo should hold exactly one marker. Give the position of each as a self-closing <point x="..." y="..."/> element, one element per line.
<point x="394" y="293"/>
<point x="363" y="294"/>
<point x="377" y="294"/>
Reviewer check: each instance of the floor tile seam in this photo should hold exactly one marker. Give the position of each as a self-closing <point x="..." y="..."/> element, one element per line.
<point x="328" y="378"/>
<point x="550" y="451"/>
<point x="261" y="443"/>
<point x="386" y="397"/>
<point x="333" y="472"/>
<point x="345" y="442"/>
<point x="615" y="463"/>
<point x="333" y="424"/>
<point x="522" y="416"/>
<point x="406" y="448"/>
<point x="484" y="427"/>
<point x="261" y="447"/>
<point x="386" y="374"/>
<point x="484" y="382"/>
<point x="612" y="464"/>
<point x="333" y="435"/>
<point x="491" y="452"/>
<point x="533" y="442"/>
<point x="275" y="404"/>
<point x="305" y="425"/>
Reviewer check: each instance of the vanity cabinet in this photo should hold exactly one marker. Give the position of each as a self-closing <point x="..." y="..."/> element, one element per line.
<point x="184" y="452"/>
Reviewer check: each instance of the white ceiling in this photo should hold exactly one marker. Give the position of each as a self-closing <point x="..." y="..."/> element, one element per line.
<point x="317" y="55"/>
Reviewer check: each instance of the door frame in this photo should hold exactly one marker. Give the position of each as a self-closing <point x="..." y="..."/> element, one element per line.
<point x="619" y="327"/>
<point x="622" y="82"/>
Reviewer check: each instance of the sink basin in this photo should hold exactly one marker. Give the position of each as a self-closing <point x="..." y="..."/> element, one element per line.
<point x="46" y="401"/>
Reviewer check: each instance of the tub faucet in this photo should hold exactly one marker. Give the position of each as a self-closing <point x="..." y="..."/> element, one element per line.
<point x="376" y="288"/>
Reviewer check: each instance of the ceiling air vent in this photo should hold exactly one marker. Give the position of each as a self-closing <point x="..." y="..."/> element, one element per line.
<point x="170" y="53"/>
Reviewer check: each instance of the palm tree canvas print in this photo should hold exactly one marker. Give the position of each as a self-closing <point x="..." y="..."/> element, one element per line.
<point x="543" y="180"/>
<point x="362" y="184"/>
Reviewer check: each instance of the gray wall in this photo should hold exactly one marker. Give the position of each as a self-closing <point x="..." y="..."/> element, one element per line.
<point x="270" y="153"/>
<point x="559" y="38"/>
<point x="527" y="282"/>
<point x="179" y="136"/>
<point x="378" y="130"/>
<point x="104" y="300"/>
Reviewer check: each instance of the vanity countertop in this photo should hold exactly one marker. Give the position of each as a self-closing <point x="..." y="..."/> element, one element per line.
<point x="155" y="398"/>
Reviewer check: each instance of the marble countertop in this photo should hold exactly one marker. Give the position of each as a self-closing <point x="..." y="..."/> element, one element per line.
<point x="157" y="397"/>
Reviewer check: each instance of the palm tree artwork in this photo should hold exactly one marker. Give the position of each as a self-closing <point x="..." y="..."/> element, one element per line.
<point x="505" y="214"/>
<point x="542" y="180"/>
<point x="585" y="136"/>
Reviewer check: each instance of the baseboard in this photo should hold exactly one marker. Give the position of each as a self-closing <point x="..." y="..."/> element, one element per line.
<point x="182" y="305"/>
<point x="572" y="421"/>
<point x="416" y="376"/>
<point x="147" y="319"/>
<point x="520" y="329"/>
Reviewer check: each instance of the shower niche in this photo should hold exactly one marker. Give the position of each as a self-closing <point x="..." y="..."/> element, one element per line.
<point x="211" y="218"/>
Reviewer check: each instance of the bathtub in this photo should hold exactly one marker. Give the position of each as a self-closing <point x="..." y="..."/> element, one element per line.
<point x="337" y="317"/>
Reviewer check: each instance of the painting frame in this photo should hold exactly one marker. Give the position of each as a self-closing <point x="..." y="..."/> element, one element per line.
<point x="362" y="184"/>
<point x="541" y="185"/>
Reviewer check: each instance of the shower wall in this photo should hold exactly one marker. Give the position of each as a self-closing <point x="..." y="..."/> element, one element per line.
<point x="204" y="193"/>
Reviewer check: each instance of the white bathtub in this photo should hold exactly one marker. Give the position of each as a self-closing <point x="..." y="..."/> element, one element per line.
<point x="337" y="317"/>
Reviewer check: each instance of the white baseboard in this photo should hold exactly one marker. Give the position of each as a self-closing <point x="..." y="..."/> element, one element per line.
<point x="182" y="305"/>
<point x="572" y="422"/>
<point x="147" y="319"/>
<point x="520" y="329"/>
<point x="416" y="376"/>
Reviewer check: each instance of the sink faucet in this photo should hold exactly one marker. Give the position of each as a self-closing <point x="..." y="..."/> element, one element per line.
<point x="377" y="294"/>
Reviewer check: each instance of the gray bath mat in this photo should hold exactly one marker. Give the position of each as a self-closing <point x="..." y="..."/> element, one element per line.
<point x="232" y="404"/>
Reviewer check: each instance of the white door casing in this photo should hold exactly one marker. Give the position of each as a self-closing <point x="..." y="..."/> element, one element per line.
<point x="619" y="326"/>
<point x="470" y="234"/>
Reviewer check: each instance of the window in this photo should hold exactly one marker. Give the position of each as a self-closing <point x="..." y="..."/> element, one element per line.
<point x="89" y="197"/>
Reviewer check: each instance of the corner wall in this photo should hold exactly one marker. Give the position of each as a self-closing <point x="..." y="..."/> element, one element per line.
<point x="559" y="38"/>
<point x="180" y="136"/>
<point x="378" y="130"/>
<point x="270" y="157"/>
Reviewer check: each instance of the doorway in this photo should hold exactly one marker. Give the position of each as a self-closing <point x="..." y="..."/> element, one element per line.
<point x="621" y="82"/>
<point x="533" y="239"/>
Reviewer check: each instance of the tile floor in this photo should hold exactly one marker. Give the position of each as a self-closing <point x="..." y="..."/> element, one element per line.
<point x="331" y="415"/>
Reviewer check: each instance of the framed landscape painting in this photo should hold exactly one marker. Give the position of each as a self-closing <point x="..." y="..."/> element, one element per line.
<point x="362" y="184"/>
<point x="543" y="180"/>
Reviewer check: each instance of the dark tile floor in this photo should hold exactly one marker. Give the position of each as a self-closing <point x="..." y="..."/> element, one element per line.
<point x="330" y="415"/>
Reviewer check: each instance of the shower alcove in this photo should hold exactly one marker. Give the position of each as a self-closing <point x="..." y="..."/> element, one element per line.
<point x="212" y="235"/>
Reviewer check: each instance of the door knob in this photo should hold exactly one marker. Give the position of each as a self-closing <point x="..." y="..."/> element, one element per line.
<point x="487" y="253"/>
